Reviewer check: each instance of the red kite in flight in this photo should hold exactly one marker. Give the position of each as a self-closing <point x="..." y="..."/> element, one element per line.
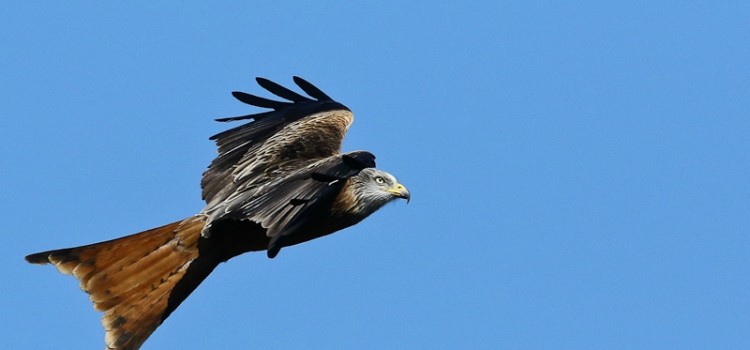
<point x="278" y="180"/>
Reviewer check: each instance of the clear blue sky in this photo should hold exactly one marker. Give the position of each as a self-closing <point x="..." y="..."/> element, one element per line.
<point x="579" y="172"/>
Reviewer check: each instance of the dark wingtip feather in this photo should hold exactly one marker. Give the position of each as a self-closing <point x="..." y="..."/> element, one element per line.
<point x="38" y="258"/>
<point x="281" y="91"/>
<point x="359" y="159"/>
<point x="258" y="101"/>
<point x="255" y="117"/>
<point x="231" y="119"/>
<point x="273" y="251"/>
<point x="311" y="90"/>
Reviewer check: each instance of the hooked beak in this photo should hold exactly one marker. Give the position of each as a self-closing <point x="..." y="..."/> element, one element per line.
<point x="400" y="191"/>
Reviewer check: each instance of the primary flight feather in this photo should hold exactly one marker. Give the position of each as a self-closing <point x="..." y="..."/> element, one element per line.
<point x="279" y="180"/>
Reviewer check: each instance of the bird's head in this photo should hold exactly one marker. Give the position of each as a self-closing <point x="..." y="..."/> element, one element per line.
<point x="375" y="188"/>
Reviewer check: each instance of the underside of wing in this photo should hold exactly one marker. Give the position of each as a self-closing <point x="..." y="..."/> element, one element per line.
<point x="295" y="131"/>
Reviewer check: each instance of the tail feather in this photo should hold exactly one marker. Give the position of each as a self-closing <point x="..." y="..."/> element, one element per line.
<point x="131" y="278"/>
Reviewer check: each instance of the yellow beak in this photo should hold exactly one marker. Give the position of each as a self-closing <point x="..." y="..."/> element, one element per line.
<point x="400" y="191"/>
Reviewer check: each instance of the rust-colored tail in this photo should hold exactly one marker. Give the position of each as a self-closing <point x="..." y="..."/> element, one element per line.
<point x="138" y="280"/>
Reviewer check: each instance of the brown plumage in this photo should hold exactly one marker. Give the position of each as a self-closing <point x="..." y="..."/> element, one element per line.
<point x="278" y="180"/>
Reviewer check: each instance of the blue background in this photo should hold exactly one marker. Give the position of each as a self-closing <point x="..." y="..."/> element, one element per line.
<point x="579" y="171"/>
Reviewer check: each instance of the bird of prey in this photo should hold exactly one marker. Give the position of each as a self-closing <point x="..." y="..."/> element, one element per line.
<point x="279" y="180"/>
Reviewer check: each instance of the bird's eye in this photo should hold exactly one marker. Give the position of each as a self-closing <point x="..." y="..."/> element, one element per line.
<point x="380" y="180"/>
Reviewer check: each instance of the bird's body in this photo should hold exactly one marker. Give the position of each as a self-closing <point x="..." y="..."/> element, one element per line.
<point x="278" y="180"/>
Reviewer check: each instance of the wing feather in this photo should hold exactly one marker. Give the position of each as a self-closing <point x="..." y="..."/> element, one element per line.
<point x="303" y="199"/>
<point x="292" y="135"/>
<point x="281" y="91"/>
<point x="311" y="90"/>
<point x="258" y="101"/>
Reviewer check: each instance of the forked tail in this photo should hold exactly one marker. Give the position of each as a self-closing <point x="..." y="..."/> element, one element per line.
<point x="138" y="280"/>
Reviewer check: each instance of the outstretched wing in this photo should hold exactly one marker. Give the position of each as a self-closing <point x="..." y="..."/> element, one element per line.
<point x="295" y="133"/>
